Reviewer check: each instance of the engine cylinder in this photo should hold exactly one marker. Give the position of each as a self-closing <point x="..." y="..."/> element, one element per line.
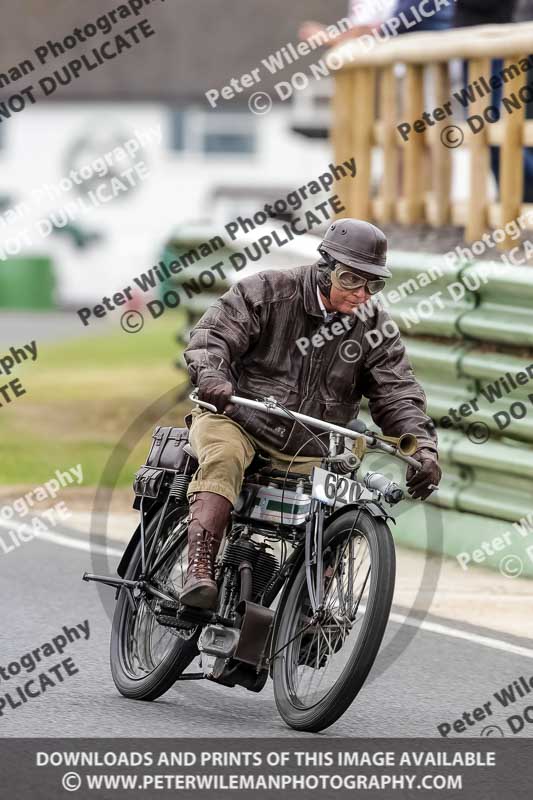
<point x="264" y="564"/>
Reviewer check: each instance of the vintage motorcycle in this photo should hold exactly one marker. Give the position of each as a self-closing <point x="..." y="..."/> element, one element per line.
<point x="305" y="573"/>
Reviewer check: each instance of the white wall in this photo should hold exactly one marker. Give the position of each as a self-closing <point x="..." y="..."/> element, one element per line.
<point x="34" y="152"/>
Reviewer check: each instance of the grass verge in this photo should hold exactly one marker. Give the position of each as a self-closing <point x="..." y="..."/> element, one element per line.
<point x="81" y="396"/>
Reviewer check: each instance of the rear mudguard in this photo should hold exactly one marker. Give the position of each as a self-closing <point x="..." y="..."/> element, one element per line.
<point x="136" y="538"/>
<point x="128" y="552"/>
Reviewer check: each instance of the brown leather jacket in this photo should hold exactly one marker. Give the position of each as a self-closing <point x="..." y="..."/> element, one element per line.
<point x="249" y="335"/>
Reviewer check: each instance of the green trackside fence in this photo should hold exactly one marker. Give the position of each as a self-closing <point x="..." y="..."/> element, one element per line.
<point x="468" y="329"/>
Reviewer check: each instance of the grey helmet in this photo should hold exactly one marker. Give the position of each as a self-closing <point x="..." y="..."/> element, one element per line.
<point x="357" y="244"/>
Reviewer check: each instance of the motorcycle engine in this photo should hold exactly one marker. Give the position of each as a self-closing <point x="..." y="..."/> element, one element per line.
<point x="264" y="564"/>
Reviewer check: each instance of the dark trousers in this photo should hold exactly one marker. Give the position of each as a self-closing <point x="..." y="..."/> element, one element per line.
<point x="497" y="94"/>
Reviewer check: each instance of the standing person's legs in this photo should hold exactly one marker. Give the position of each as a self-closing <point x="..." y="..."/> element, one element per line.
<point x="528" y="151"/>
<point x="223" y="451"/>
<point x="497" y="95"/>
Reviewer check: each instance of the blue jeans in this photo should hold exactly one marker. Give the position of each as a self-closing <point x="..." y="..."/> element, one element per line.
<point x="440" y="21"/>
<point x="497" y="94"/>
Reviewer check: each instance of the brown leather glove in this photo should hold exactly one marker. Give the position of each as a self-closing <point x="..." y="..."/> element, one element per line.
<point x="429" y="474"/>
<point x="212" y="388"/>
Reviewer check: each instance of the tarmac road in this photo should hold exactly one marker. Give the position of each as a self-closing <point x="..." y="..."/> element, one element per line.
<point x="444" y="670"/>
<point x="49" y="326"/>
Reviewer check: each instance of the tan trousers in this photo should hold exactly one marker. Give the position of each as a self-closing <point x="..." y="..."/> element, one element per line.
<point x="224" y="450"/>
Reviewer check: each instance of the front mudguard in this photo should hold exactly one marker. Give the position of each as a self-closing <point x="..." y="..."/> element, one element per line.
<point x="372" y="506"/>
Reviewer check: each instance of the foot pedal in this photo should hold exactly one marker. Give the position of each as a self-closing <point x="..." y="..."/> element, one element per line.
<point x="169" y="606"/>
<point x="198" y="616"/>
<point x="174" y="615"/>
<point x="169" y="622"/>
<point x="168" y="615"/>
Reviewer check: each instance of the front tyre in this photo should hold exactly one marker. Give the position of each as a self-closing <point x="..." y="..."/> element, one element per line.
<point x="322" y="665"/>
<point x="147" y="658"/>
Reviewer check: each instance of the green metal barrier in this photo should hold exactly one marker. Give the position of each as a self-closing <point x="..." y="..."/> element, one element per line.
<point x="503" y="312"/>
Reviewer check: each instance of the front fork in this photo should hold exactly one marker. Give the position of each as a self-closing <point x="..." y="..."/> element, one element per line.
<point x="314" y="565"/>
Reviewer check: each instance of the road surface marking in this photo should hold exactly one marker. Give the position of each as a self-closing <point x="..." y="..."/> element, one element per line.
<point x="67" y="541"/>
<point x="457" y="633"/>
<point x="401" y="619"/>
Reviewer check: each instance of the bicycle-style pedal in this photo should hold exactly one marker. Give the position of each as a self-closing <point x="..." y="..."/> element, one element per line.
<point x="168" y="614"/>
<point x="170" y="622"/>
<point x="169" y="606"/>
<point x="196" y="616"/>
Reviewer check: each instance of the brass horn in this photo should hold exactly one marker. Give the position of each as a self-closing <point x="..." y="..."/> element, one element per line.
<point x="406" y="444"/>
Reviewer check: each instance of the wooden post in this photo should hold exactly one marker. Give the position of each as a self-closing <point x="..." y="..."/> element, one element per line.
<point x="511" y="150"/>
<point x="341" y="131"/>
<point x="413" y="150"/>
<point x="364" y="105"/>
<point x="389" y="117"/>
<point x="477" y="218"/>
<point x="441" y="164"/>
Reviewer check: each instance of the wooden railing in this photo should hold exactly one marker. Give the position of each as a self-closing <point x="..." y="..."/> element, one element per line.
<point x="372" y="99"/>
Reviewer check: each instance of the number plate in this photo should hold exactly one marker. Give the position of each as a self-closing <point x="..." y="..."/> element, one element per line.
<point x="330" y="488"/>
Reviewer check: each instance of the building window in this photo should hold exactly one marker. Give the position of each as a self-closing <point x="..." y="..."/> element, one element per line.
<point x="177" y="130"/>
<point x="229" y="143"/>
<point x="195" y="131"/>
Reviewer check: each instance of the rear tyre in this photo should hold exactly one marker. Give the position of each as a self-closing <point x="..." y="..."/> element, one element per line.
<point x="146" y="657"/>
<point x="323" y="665"/>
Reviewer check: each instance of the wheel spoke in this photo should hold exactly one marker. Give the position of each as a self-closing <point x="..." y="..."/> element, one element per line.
<point x="320" y="650"/>
<point x="147" y="643"/>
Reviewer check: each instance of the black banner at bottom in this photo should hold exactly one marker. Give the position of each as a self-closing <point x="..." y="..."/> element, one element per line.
<point x="194" y="769"/>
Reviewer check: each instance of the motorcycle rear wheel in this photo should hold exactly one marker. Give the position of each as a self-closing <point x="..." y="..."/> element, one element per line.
<point x="322" y="665"/>
<point x="147" y="658"/>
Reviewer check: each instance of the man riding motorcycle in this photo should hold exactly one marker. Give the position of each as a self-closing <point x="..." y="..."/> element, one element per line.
<point x="249" y="342"/>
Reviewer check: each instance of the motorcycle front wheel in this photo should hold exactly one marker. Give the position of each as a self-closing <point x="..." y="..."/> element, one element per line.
<point x="321" y="664"/>
<point x="147" y="658"/>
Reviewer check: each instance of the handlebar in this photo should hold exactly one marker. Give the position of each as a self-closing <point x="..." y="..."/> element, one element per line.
<point x="271" y="406"/>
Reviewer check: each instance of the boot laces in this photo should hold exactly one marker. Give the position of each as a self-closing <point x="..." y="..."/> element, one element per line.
<point x="201" y="562"/>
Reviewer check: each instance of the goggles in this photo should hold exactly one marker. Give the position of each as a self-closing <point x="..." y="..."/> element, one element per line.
<point x="346" y="279"/>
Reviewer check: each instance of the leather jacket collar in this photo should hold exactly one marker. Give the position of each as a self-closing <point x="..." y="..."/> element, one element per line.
<point x="311" y="304"/>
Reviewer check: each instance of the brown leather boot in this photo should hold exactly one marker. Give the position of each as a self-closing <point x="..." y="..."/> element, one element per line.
<point x="208" y="519"/>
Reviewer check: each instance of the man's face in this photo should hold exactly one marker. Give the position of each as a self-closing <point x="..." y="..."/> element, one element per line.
<point x="346" y="301"/>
